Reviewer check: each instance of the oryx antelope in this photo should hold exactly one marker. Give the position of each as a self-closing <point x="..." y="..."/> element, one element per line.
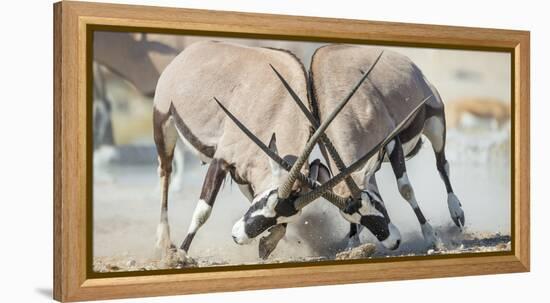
<point x="364" y="130"/>
<point x="183" y="108"/>
<point x="389" y="94"/>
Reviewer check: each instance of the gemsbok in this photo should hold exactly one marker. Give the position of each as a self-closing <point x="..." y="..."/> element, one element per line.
<point x="183" y="108"/>
<point x="363" y="133"/>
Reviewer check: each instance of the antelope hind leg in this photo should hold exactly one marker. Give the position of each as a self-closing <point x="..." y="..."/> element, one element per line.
<point x="435" y="131"/>
<point x="165" y="140"/>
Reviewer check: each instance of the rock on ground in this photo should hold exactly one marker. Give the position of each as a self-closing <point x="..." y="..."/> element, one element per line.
<point x="360" y="252"/>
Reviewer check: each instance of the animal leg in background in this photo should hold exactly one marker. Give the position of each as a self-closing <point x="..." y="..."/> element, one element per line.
<point x="217" y="171"/>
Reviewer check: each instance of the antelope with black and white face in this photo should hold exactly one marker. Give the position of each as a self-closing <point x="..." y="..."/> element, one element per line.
<point x="365" y="134"/>
<point x="184" y="108"/>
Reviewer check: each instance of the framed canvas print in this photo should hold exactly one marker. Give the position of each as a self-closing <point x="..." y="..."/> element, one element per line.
<point x="201" y="151"/>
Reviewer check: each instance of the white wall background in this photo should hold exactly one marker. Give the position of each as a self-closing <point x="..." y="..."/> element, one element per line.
<point x="26" y="148"/>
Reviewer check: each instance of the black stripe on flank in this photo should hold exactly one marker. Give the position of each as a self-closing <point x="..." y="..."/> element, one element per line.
<point x="189" y="136"/>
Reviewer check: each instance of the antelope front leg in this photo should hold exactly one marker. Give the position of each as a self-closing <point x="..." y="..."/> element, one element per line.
<point x="269" y="242"/>
<point x="217" y="171"/>
<point x="397" y="159"/>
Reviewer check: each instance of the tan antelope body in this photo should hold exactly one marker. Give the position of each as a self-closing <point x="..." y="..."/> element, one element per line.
<point x="242" y="78"/>
<point x="394" y="87"/>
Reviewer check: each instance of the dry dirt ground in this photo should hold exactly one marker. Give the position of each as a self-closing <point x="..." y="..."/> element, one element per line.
<point x="470" y="244"/>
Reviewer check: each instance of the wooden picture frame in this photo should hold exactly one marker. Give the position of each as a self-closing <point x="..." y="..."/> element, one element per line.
<point x="73" y="23"/>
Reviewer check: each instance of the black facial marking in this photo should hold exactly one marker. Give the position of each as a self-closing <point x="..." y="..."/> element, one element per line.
<point x="377" y="225"/>
<point x="378" y="205"/>
<point x="285" y="208"/>
<point x="352" y="207"/>
<point x="255" y="225"/>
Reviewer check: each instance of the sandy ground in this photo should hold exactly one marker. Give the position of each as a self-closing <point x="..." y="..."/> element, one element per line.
<point x="127" y="209"/>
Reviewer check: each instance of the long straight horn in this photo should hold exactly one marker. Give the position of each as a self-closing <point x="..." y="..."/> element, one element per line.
<point x="286" y="187"/>
<point x="353" y="187"/>
<point x="333" y="198"/>
<point x="351" y="184"/>
<point x="254" y="139"/>
<point x="308" y="197"/>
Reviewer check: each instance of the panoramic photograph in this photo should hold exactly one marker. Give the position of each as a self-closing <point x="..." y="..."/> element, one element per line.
<point x="218" y="151"/>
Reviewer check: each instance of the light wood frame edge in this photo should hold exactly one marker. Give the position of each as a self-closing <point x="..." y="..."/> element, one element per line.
<point x="70" y="19"/>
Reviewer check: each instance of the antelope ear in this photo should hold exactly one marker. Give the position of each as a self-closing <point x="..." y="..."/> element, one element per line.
<point x="276" y="169"/>
<point x="318" y="171"/>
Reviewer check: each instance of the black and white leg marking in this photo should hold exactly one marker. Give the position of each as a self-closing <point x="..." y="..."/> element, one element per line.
<point x="397" y="159"/>
<point x="217" y="171"/>
<point x="435" y="131"/>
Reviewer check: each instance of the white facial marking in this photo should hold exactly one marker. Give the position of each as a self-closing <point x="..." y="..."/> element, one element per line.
<point x="201" y="214"/>
<point x="393" y="238"/>
<point x="367" y="209"/>
<point x="239" y="234"/>
<point x="269" y="210"/>
<point x="352" y="218"/>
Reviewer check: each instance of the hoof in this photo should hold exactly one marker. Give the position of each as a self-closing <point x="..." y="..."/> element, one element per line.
<point x="455" y="209"/>
<point x="183" y="257"/>
<point x="164" y="244"/>
<point x="430" y="236"/>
